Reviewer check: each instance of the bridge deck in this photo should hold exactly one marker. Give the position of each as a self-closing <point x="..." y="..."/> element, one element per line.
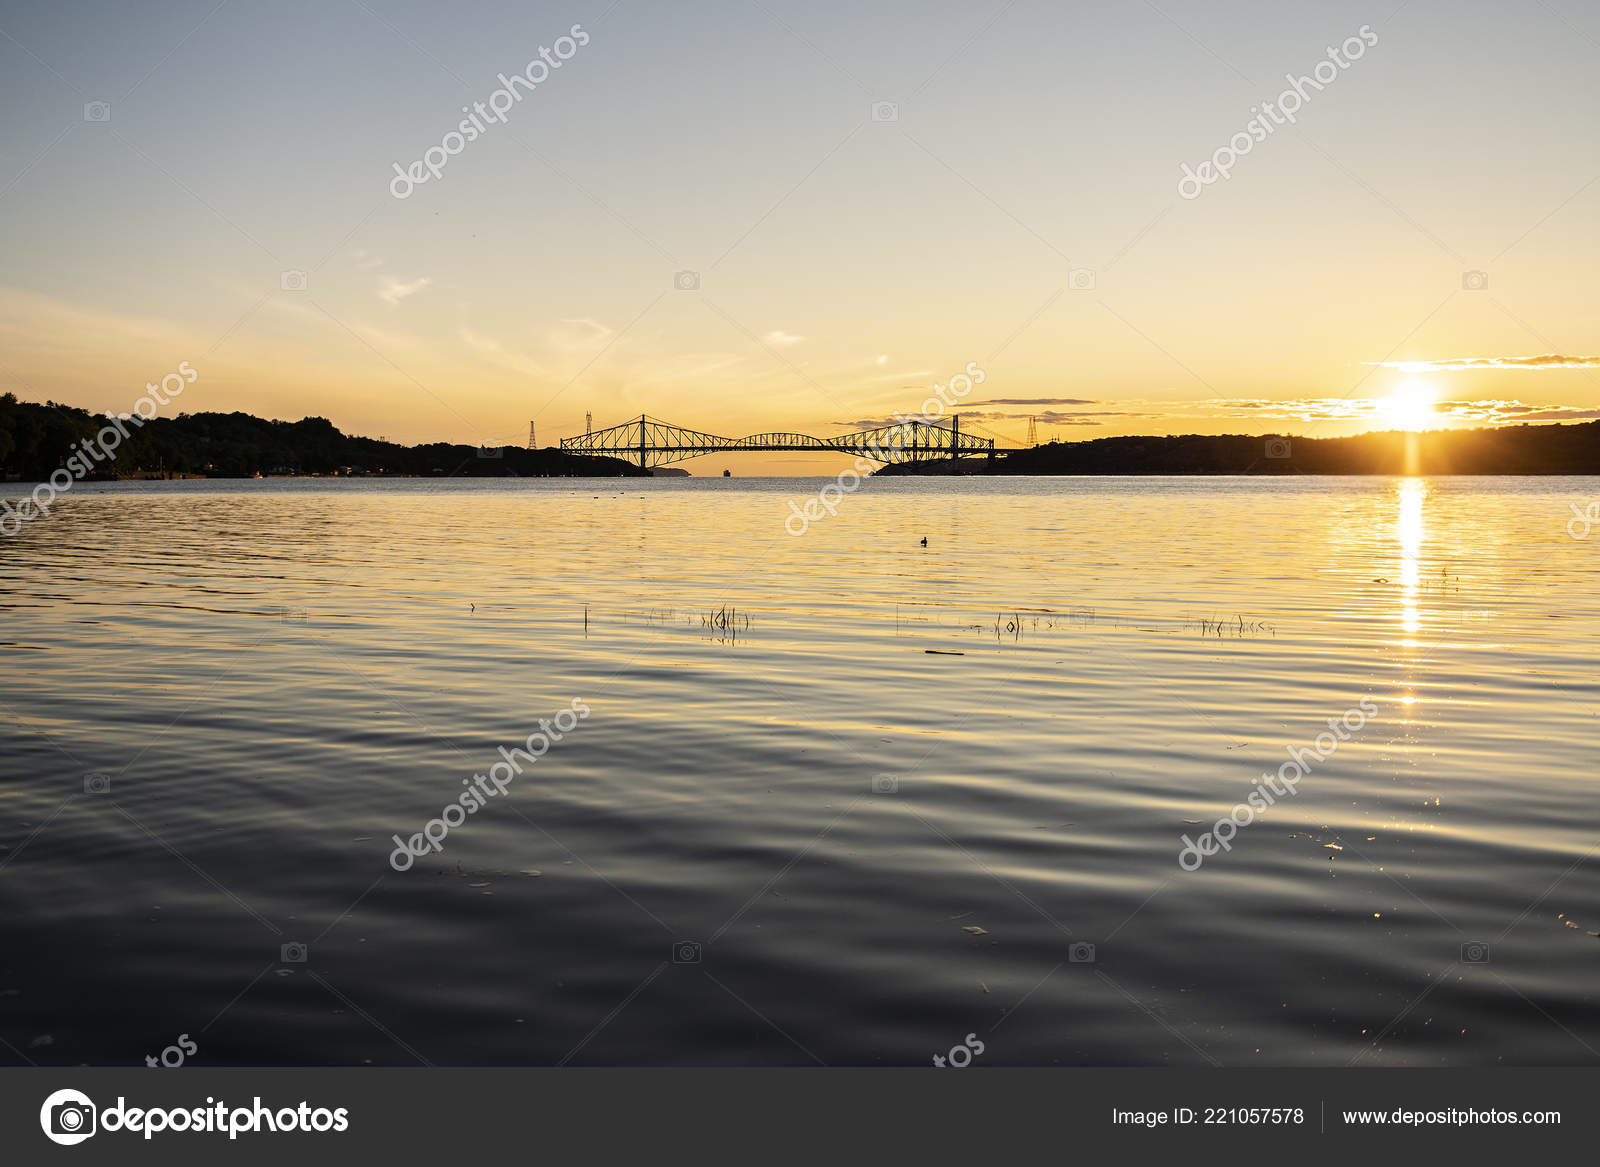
<point x="652" y="442"/>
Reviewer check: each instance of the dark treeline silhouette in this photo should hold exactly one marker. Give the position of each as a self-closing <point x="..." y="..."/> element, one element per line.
<point x="1522" y="449"/>
<point x="36" y="440"/>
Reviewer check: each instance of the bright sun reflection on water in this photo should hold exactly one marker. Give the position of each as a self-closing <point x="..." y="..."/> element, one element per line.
<point x="1409" y="533"/>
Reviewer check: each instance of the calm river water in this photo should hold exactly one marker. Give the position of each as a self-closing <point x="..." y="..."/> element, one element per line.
<point x="838" y="797"/>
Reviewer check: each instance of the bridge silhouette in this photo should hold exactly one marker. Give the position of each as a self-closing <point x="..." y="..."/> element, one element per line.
<point x="653" y="442"/>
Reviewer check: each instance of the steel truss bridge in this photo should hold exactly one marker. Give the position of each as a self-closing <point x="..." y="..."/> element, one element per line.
<point x="649" y="441"/>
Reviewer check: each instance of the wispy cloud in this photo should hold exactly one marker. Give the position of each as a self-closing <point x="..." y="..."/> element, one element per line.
<point x="1055" y="416"/>
<point x="1375" y="411"/>
<point x="779" y="337"/>
<point x="1470" y="364"/>
<point x="391" y="291"/>
<point x="1040" y="401"/>
<point x="1293" y="409"/>
<point x="1046" y="417"/>
<point x="579" y="334"/>
<point x="495" y="353"/>
<point x="1494" y="412"/>
<point x="867" y="423"/>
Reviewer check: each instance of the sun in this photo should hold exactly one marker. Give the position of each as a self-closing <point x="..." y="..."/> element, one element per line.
<point x="1410" y="407"/>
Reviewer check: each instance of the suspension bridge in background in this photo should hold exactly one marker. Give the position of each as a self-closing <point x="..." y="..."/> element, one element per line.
<point x="652" y="442"/>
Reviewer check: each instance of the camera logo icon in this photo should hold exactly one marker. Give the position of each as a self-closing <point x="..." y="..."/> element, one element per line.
<point x="687" y="281"/>
<point x="686" y="952"/>
<point x="1081" y="953"/>
<point x="1277" y="447"/>
<point x="1081" y="279"/>
<point x="293" y="953"/>
<point x="885" y="111"/>
<point x="491" y="453"/>
<point x="293" y="280"/>
<point x="97" y="783"/>
<point x="67" y="1117"/>
<point x="1474" y="952"/>
<point x="1475" y="281"/>
<point x="97" y="111"/>
<point x="885" y="784"/>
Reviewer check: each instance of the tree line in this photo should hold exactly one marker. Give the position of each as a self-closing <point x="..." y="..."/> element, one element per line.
<point x="1520" y="449"/>
<point x="36" y="440"/>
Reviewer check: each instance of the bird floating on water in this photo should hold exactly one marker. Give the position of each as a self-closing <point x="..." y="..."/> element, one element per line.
<point x="924" y="540"/>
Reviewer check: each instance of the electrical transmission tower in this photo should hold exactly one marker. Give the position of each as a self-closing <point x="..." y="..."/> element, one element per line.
<point x="531" y="445"/>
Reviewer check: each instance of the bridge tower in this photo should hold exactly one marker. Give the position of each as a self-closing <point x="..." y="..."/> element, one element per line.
<point x="588" y="423"/>
<point x="1033" y="431"/>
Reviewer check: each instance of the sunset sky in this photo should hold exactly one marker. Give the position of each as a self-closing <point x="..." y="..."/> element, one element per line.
<point x="1015" y="204"/>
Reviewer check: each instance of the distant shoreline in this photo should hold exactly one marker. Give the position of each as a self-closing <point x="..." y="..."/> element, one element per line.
<point x="19" y="487"/>
<point x="37" y="440"/>
<point x="1557" y="450"/>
